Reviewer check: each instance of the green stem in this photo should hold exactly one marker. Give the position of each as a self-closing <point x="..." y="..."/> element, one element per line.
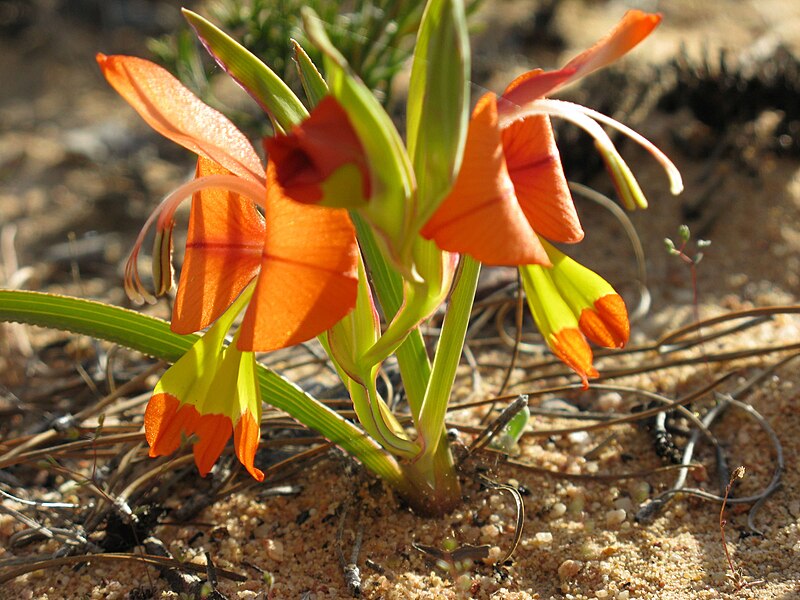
<point x="412" y="358"/>
<point x="448" y="355"/>
<point x="153" y="337"/>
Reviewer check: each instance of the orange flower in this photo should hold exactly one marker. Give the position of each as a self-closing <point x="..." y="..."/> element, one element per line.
<point x="295" y="269"/>
<point x="304" y="257"/>
<point x="511" y="185"/>
<point x="569" y="301"/>
<point x="210" y="393"/>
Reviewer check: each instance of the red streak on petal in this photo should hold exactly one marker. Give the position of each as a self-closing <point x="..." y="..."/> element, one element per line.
<point x="223" y="253"/>
<point x="309" y="273"/>
<point x="541" y="188"/>
<point x="481" y="216"/>
<point x="246" y="436"/>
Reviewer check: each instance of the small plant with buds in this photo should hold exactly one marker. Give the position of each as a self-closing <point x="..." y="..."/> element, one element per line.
<point x="351" y="235"/>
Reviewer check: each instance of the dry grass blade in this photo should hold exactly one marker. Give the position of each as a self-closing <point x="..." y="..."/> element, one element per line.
<point x="156" y="561"/>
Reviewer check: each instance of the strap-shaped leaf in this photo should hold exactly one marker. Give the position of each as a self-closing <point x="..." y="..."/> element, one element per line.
<point x="438" y="102"/>
<point x="313" y="83"/>
<point x="258" y="79"/>
<point x="153" y="337"/>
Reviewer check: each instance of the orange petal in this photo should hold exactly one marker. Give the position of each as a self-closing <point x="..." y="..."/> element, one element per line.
<point x="309" y="273"/>
<point x="246" y="436"/>
<point x="481" y="216"/>
<point x="607" y="325"/>
<point x="632" y="29"/>
<point x="176" y="113"/>
<point x="541" y="188"/>
<point x="308" y="156"/>
<point x="213" y="432"/>
<point x="571" y="348"/>
<point x="531" y="86"/>
<point x="164" y="423"/>
<point x="223" y="253"/>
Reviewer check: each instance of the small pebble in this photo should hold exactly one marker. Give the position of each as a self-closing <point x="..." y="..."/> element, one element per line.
<point x="579" y="438"/>
<point x="639" y="491"/>
<point x="495" y="554"/>
<point x="558" y="510"/>
<point x="489" y="531"/>
<point x="625" y="504"/>
<point x="569" y="569"/>
<point x="615" y="518"/>
<point x="543" y="538"/>
<point x="275" y="550"/>
<point x="609" y="402"/>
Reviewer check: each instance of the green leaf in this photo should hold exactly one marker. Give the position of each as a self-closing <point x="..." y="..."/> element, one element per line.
<point x="507" y="439"/>
<point x="412" y="358"/>
<point x="313" y="83"/>
<point x="258" y="79"/>
<point x="438" y="102"/>
<point x="153" y="337"/>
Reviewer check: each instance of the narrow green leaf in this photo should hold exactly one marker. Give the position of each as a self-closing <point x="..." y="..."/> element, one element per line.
<point x="412" y="358"/>
<point x="153" y="337"/>
<point x="438" y="102"/>
<point x="258" y="79"/>
<point x="313" y="83"/>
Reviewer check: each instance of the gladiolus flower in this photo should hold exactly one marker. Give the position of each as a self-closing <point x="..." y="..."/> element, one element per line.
<point x="322" y="161"/>
<point x="511" y="186"/>
<point x="569" y="301"/>
<point x="304" y="258"/>
<point x="295" y="269"/>
<point x="210" y="393"/>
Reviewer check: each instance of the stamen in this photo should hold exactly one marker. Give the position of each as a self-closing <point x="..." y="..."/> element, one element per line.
<point x="623" y="177"/>
<point x="675" y="180"/>
<point x="163" y="216"/>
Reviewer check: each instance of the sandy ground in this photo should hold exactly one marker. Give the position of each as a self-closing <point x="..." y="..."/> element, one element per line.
<point x="80" y="162"/>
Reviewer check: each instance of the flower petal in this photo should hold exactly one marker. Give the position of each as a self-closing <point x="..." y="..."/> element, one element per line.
<point x="213" y="433"/>
<point x="556" y="321"/>
<point x="176" y="113"/>
<point x="538" y="177"/>
<point x="531" y="86"/>
<point x="601" y="312"/>
<point x="632" y="29"/>
<point x="606" y="322"/>
<point x="481" y="216"/>
<point x="246" y="436"/>
<point x="309" y="273"/>
<point x="223" y="253"/>
<point x="571" y="348"/>
<point x="164" y="422"/>
<point x="323" y="145"/>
